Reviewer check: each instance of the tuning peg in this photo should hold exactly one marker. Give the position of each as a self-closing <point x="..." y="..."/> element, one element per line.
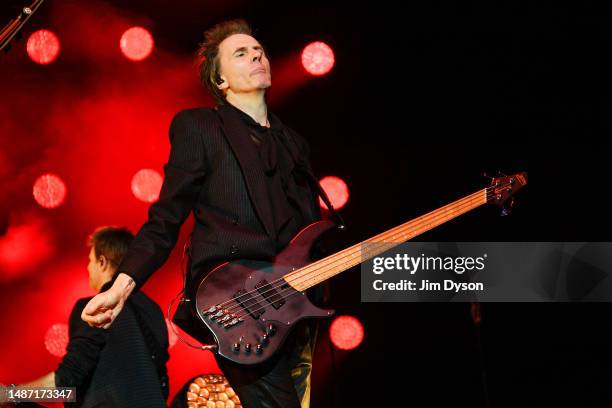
<point x="491" y="178"/>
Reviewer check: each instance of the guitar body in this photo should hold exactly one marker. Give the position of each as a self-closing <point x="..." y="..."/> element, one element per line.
<point x="249" y="308"/>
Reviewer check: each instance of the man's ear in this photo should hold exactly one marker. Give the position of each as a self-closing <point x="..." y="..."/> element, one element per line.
<point x="103" y="261"/>
<point x="222" y="83"/>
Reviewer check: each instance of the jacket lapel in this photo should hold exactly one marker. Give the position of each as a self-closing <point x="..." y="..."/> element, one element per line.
<point x="237" y="135"/>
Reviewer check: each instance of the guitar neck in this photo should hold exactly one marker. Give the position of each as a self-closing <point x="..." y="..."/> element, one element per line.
<point x="323" y="269"/>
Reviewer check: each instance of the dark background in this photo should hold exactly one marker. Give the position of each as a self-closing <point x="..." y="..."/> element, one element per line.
<point x="423" y="100"/>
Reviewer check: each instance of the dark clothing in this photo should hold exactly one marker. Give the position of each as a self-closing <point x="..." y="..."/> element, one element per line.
<point x="281" y="382"/>
<point x="215" y="170"/>
<point x="291" y="205"/>
<point x="117" y="367"/>
<point x="251" y="191"/>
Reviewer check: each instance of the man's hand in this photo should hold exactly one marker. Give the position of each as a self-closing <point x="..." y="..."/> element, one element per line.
<point x="103" y="309"/>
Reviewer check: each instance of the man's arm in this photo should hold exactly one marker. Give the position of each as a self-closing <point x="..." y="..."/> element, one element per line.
<point x="81" y="357"/>
<point x="104" y="308"/>
<point x="82" y="353"/>
<point x="183" y="178"/>
<point x="46" y="381"/>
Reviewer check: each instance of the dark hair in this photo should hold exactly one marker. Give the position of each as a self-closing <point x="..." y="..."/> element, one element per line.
<point x="112" y="242"/>
<point x="208" y="54"/>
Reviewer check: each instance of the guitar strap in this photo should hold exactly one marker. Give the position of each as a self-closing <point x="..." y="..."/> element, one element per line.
<point x="304" y="168"/>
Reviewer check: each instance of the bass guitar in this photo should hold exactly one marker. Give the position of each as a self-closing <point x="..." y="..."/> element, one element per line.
<point x="250" y="306"/>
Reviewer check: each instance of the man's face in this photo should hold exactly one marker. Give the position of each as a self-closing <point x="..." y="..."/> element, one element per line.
<point x="243" y="64"/>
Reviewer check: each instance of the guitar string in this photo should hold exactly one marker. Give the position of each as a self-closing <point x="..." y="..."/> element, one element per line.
<point x="325" y="262"/>
<point x="293" y="291"/>
<point x="350" y="253"/>
<point x="465" y="202"/>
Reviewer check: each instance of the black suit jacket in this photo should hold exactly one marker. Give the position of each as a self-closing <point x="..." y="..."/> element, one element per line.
<point x="117" y="367"/>
<point x="213" y="170"/>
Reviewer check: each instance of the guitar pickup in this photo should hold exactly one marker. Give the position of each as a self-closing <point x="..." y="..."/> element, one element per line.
<point x="270" y="293"/>
<point x="249" y="303"/>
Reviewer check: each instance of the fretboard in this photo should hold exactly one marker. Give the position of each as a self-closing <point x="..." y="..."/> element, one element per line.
<point x="323" y="269"/>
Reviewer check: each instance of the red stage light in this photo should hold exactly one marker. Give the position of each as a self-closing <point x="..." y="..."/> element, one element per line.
<point x="146" y="185"/>
<point x="136" y="43"/>
<point x="56" y="339"/>
<point x="346" y="332"/>
<point x="43" y="47"/>
<point x="318" y="58"/>
<point x="49" y="191"/>
<point x="336" y="190"/>
<point x="23" y="248"/>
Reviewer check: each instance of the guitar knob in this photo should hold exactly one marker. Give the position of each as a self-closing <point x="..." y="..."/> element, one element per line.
<point x="270" y="330"/>
<point x="236" y="346"/>
<point x="247" y="347"/>
<point x="264" y="338"/>
<point x="259" y="348"/>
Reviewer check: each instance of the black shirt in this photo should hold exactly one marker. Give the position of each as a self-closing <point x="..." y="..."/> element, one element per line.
<point x="122" y="366"/>
<point x="292" y="199"/>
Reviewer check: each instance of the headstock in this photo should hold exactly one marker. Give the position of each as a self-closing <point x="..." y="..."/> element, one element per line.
<point x="502" y="189"/>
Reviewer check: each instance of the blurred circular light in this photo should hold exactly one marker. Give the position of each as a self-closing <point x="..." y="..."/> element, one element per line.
<point x="146" y="185"/>
<point x="56" y="339"/>
<point x="318" y="58"/>
<point x="43" y="47"/>
<point x="346" y="332"/>
<point x="22" y="248"/>
<point x="337" y="191"/>
<point x="49" y="191"/>
<point x="136" y="43"/>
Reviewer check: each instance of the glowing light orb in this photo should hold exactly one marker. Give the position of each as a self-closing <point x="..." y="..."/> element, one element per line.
<point x="22" y="248"/>
<point x="346" y="332"/>
<point x="56" y="339"/>
<point x="136" y="43"/>
<point x="337" y="191"/>
<point x="43" y="47"/>
<point x="318" y="58"/>
<point x="49" y="191"/>
<point x="146" y="185"/>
